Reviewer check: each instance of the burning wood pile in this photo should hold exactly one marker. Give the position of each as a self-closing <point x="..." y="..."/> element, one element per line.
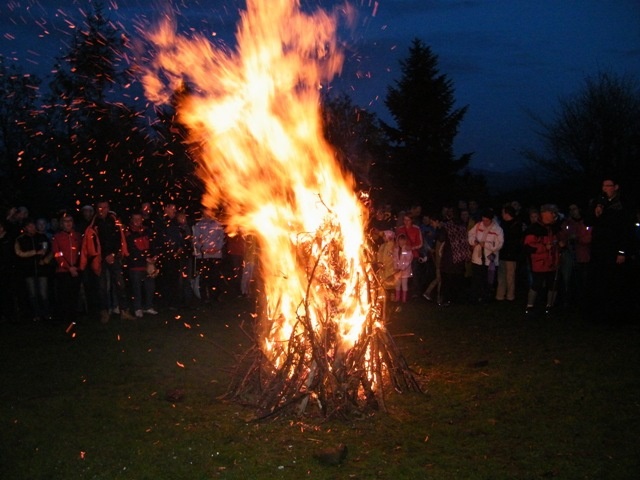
<point x="316" y="367"/>
<point x="253" y="117"/>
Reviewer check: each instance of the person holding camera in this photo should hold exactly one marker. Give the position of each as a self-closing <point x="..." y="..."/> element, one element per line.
<point x="611" y="239"/>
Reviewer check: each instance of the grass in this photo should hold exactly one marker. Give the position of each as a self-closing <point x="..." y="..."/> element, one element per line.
<point x="505" y="397"/>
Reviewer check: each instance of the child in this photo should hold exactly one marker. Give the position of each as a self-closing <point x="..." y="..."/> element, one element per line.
<point x="402" y="257"/>
<point x="385" y="260"/>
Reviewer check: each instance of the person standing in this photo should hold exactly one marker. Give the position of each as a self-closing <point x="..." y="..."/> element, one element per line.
<point x="542" y="245"/>
<point x="414" y="243"/>
<point x="454" y="253"/>
<point x="103" y="248"/>
<point x="208" y="249"/>
<point x="402" y="259"/>
<point x="141" y="266"/>
<point x="576" y="257"/>
<point x="509" y="254"/>
<point x="436" y="256"/>
<point x="7" y="275"/>
<point x="611" y="239"/>
<point x="427" y="271"/>
<point x="171" y="245"/>
<point x="187" y="262"/>
<point x="486" y="239"/>
<point x="66" y="247"/>
<point x="34" y="256"/>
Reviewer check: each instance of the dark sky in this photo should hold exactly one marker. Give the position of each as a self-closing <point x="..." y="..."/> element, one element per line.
<point x="504" y="56"/>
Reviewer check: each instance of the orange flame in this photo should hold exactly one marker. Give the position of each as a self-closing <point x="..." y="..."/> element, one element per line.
<point x="254" y="115"/>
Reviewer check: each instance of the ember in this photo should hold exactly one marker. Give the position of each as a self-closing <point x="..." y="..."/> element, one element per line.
<point x="253" y="119"/>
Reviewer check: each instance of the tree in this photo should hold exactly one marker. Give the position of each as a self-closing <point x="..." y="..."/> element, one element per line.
<point x="426" y="123"/>
<point x="20" y="122"/>
<point x="95" y="137"/>
<point x="358" y="139"/>
<point x="174" y="159"/>
<point x="594" y="133"/>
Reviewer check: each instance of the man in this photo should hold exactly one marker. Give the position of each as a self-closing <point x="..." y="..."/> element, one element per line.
<point x="509" y="254"/>
<point x="208" y="248"/>
<point x="7" y="275"/>
<point x="611" y="240"/>
<point x="141" y="266"/>
<point x="87" y="212"/>
<point x="34" y="255"/>
<point x="104" y="247"/>
<point x="172" y="249"/>
<point x="66" y="252"/>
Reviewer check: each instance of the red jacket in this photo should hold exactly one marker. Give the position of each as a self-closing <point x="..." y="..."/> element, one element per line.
<point x="541" y="243"/>
<point x="91" y="251"/>
<point x="66" y="250"/>
<point x="577" y="237"/>
<point x="414" y="238"/>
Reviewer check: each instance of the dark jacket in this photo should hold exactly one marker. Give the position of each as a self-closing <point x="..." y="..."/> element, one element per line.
<point x="140" y="245"/>
<point x="513" y="236"/>
<point x="611" y="232"/>
<point x="28" y="263"/>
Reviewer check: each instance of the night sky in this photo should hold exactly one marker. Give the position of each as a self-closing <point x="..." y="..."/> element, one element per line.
<point x="505" y="57"/>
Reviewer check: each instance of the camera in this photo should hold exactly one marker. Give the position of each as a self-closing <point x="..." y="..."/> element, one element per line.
<point x="601" y="200"/>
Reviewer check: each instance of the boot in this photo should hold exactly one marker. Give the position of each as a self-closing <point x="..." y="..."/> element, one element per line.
<point x="531" y="300"/>
<point x="551" y="300"/>
<point x="404" y="296"/>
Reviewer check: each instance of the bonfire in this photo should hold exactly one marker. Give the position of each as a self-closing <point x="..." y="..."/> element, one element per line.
<point x="253" y="117"/>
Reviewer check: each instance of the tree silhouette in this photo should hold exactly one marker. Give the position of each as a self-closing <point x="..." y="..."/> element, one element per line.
<point x="24" y="170"/>
<point x="422" y="105"/>
<point x="96" y="137"/>
<point x="358" y="139"/>
<point x="593" y="133"/>
<point x="173" y="158"/>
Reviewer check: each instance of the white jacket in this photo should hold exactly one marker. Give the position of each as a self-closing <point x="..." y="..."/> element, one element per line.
<point x="208" y="239"/>
<point x="493" y="238"/>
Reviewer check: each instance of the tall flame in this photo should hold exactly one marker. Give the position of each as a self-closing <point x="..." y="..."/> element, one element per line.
<point x="254" y="114"/>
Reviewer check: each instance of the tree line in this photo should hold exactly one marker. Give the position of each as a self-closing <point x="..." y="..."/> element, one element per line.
<point x="86" y="136"/>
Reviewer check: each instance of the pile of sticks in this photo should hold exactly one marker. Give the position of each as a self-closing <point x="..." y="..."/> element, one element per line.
<point x="316" y="373"/>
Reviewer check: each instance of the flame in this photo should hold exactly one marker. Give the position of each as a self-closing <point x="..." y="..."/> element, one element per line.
<point x="254" y="117"/>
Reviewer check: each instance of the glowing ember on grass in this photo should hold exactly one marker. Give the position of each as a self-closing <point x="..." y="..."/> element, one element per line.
<point x="254" y="122"/>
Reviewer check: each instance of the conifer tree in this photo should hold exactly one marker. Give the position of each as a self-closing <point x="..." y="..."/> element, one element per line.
<point x="23" y="168"/>
<point x="421" y="103"/>
<point x="96" y="136"/>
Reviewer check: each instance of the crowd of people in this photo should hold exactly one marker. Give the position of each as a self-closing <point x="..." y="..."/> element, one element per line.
<point x="93" y="265"/>
<point x="587" y="256"/>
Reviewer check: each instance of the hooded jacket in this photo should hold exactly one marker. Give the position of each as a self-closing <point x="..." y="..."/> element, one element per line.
<point x="493" y="238"/>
